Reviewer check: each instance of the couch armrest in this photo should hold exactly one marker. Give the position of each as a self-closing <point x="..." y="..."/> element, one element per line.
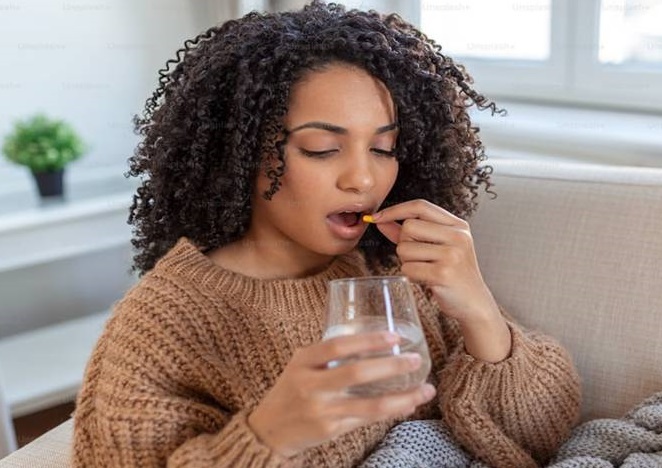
<point x="51" y="450"/>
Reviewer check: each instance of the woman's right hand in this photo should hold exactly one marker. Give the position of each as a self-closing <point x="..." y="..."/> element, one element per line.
<point x="309" y="403"/>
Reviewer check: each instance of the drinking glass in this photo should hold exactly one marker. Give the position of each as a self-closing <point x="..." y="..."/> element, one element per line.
<point x="376" y="303"/>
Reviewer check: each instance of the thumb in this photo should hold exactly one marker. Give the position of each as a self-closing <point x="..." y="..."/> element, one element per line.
<point x="391" y="230"/>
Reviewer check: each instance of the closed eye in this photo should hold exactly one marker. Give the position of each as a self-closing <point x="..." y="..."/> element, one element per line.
<point x="382" y="152"/>
<point x="321" y="154"/>
<point x="316" y="154"/>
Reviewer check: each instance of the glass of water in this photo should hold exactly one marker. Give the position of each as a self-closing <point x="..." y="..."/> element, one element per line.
<point x="378" y="303"/>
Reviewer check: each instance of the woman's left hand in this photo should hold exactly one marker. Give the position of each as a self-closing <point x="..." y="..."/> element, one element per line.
<point x="436" y="248"/>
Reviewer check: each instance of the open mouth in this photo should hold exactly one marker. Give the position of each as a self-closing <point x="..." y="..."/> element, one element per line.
<point x="347" y="218"/>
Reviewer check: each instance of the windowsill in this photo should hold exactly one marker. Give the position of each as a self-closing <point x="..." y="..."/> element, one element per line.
<point x="92" y="217"/>
<point x="82" y="185"/>
<point x="563" y="133"/>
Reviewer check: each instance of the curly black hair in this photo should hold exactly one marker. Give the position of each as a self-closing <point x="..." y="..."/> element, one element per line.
<point x="217" y="117"/>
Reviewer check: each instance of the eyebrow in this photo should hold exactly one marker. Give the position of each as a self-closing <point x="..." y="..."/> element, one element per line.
<point x="340" y="130"/>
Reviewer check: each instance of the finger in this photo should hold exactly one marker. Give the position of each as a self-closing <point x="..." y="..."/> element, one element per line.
<point x="343" y="347"/>
<point x="432" y="232"/>
<point x="367" y="370"/>
<point x="419" y="209"/>
<point x="409" y="251"/>
<point x="422" y="272"/>
<point x="374" y="409"/>
<point x="424" y="231"/>
<point x="390" y="230"/>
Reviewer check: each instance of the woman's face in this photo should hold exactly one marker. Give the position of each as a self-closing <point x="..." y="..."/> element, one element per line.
<point x="341" y="124"/>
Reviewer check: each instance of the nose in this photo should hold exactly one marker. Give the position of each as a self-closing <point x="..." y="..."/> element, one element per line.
<point x="357" y="173"/>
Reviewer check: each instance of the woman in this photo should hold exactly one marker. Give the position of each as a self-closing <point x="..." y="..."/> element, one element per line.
<point x="275" y="135"/>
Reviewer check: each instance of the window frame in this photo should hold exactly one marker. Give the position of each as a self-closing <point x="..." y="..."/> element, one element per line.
<point x="572" y="74"/>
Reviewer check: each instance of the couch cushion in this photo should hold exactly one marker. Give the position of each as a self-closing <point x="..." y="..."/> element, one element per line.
<point x="51" y="450"/>
<point x="576" y="251"/>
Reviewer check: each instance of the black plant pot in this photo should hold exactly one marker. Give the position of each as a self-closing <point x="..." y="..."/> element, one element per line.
<point x="50" y="183"/>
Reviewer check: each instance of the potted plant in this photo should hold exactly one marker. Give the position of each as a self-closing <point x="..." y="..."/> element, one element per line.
<point x="45" y="146"/>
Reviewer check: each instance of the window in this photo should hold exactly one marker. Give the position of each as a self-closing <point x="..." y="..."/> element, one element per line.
<point x="526" y="38"/>
<point x="630" y="33"/>
<point x="599" y="52"/>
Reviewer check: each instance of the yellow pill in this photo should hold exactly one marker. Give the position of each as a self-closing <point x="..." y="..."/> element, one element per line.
<point x="368" y="219"/>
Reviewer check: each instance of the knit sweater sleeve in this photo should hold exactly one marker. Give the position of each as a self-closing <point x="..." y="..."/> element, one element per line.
<point x="144" y="401"/>
<point x="514" y="413"/>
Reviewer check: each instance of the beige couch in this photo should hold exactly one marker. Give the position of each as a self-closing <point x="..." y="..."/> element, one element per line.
<point x="573" y="250"/>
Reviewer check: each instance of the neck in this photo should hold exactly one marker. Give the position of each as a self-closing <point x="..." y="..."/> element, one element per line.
<point x="267" y="259"/>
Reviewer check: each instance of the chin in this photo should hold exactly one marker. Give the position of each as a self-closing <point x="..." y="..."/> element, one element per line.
<point x="342" y="247"/>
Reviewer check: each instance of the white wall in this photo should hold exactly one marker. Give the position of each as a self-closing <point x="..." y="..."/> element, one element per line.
<point x="91" y="62"/>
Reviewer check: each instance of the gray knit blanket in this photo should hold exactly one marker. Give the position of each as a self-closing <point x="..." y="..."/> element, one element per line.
<point x="634" y="441"/>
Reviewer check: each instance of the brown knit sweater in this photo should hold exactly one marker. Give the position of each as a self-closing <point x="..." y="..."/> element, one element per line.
<point x="192" y="348"/>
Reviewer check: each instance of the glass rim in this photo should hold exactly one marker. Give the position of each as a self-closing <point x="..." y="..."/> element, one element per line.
<point x="369" y="279"/>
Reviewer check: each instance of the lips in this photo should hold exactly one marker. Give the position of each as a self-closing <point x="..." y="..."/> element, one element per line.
<point x="347" y="218"/>
<point x="346" y="222"/>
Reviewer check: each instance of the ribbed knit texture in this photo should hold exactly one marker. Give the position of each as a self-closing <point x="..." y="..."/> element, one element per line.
<point x="418" y="444"/>
<point x="192" y="349"/>
<point x="634" y="441"/>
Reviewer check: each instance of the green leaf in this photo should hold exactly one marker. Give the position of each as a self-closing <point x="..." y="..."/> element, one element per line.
<point x="43" y="144"/>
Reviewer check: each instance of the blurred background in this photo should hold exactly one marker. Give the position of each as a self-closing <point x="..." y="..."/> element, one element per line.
<point x="581" y="81"/>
